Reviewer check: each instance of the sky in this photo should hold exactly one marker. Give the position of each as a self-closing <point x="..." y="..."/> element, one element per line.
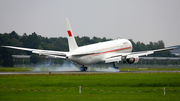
<point x="141" y="20"/>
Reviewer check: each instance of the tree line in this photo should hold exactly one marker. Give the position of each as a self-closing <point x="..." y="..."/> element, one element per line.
<point x="58" y="44"/>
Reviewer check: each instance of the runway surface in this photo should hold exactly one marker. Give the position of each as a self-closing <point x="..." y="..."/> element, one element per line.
<point x="79" y="72"/>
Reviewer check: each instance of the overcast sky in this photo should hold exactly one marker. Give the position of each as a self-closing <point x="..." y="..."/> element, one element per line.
<point x="140" y="20"/>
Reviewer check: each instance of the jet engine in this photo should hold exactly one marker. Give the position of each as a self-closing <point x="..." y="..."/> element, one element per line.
<point x="132" y="60"/>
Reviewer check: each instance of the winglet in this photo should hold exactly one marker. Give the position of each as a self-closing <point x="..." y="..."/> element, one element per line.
<point x="71" y="40"/>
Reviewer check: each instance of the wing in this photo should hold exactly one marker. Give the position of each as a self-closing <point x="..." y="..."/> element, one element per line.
<point x="142" y="53"/>
<point x="54" y="54"/>
<point x="118" y="56"/>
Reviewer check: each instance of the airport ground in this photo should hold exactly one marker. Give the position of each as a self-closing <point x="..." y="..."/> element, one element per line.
<point x="124" y="68"/>
<point x="99" y="86"/>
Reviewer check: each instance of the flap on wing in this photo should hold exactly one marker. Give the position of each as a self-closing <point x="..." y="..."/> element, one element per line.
<point x="54" y="56"/>
<point x="44" y="52"/>
<point x="113" y="59"/>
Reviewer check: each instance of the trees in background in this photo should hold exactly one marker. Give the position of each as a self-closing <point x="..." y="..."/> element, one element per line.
<point x="6" y="58"/>
<point x="58" y="44"/>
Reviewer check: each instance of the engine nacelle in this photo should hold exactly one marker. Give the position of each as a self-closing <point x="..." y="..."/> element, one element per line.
<point x="132" y="60"/>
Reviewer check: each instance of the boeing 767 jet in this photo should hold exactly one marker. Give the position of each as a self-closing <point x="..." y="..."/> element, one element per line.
<point x="109" y="52"/>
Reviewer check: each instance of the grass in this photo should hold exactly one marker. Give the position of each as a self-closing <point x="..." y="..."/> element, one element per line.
<point x="14" y="69"/>
<point x="109" y="82"/>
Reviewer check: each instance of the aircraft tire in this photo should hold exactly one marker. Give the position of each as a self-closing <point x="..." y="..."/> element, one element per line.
<point x="116" y="67"/>
<point x="83" y="68"/>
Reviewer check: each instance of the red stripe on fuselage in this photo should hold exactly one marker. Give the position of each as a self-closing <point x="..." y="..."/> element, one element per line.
<point x="69" y="33"/>
<point x="110" y="51"/>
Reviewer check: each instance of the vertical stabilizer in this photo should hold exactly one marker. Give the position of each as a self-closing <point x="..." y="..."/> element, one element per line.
<point x="71" y="40"/>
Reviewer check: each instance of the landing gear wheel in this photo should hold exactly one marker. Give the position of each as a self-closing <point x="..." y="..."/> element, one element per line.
<point x="114" y="65"/>
<point x="83" y="68"/>
<point x="124" y="62"/>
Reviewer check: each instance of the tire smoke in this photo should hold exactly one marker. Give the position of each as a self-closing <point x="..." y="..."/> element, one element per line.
<point x="70" y="66"/>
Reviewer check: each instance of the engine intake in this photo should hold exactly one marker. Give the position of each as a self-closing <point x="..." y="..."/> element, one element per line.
<point x="132" y="60"/>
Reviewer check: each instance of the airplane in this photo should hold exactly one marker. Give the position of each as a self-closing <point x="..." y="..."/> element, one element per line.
<point x="111" y="51"/>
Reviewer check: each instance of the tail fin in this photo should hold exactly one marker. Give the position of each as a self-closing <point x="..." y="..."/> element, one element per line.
<point x="71" y="40"/>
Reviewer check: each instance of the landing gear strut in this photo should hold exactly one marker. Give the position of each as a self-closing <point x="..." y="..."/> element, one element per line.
<point x="83" y="68"/>
<point x="114" y="65"/>
<point x="124" y="60"/>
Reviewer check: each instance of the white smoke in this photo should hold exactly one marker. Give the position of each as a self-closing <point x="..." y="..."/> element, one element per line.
<point x="69" y="66"/>
<point x="103" y="69"/>
<point x="66" y="66"/>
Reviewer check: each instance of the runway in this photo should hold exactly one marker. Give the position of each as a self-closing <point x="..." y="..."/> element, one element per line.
<point x="79" y="72"/>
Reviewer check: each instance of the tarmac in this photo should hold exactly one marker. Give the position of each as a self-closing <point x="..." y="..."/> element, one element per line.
<point x="80" y="72"/>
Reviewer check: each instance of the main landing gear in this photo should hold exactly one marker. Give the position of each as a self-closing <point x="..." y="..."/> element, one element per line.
<point x="83" y="68"/>
<point x="114" y="65"/>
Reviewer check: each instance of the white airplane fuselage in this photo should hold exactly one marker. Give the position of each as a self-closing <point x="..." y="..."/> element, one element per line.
<point x="101" y="51"/>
